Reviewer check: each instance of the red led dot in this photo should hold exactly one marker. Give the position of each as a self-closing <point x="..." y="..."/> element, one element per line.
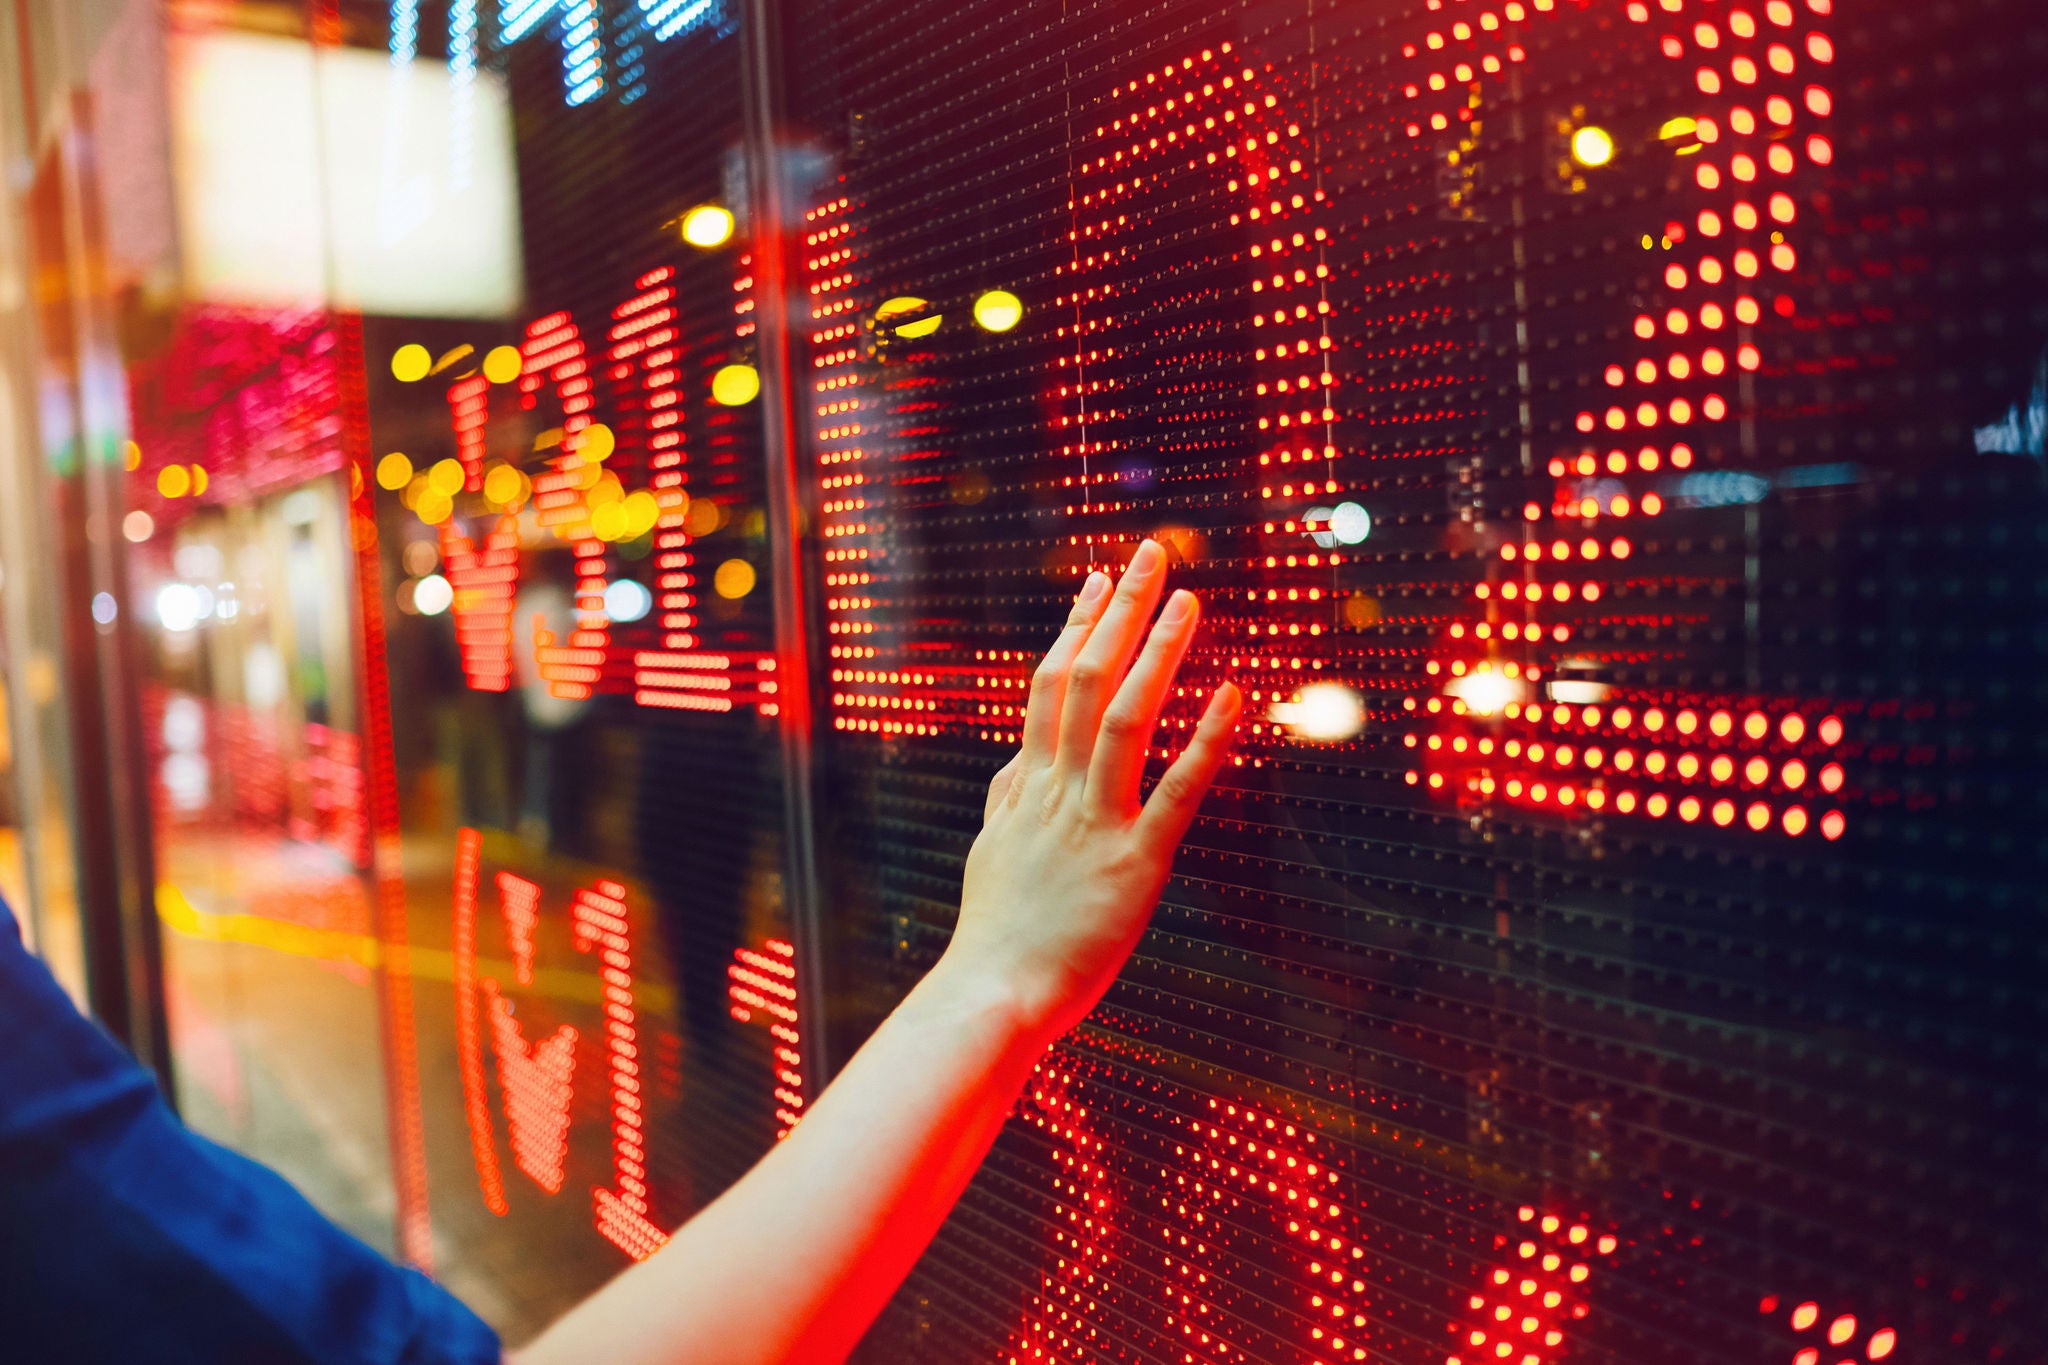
<point x="1832" y="824"/>
<point x="1805" y="1315"/>
<point x="1795" y="825"/>
<point x="1882" y="1341"/>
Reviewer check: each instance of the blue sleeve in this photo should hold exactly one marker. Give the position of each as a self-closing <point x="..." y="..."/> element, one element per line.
<point x="126" y="1237"/>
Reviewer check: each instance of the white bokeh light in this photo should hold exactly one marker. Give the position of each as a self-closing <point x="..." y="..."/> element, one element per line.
<point x="627" y="600"/>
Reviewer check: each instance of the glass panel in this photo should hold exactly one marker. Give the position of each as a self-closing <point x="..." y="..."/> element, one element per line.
<point x="1607" y="438"/>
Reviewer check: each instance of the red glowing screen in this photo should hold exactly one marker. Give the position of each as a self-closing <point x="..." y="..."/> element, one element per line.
<point x="1600" y="434"/>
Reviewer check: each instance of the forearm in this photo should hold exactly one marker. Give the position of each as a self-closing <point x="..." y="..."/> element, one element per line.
<point x="794" y="1261"/>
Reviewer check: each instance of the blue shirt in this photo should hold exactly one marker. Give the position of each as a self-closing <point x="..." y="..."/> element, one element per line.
<point x="126" y="1237"/>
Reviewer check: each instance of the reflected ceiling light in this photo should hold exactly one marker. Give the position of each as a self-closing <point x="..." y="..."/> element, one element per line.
<point x="410" y="363"/>
<point x="627" y="600"/>
<point x="998" y="311"/>
<point x="707" y="226"/>
<point x="1326" y="711"/>
<point x="914" y="327"/>
<point x="432" y="595"/>
<point x="1592" y="146"/>
<point x="735" y="385"/>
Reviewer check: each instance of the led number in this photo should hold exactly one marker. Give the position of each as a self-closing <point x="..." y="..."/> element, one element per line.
<point x="537" y="1077"/>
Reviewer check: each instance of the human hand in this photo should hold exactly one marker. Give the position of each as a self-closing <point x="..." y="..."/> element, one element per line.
<point x="1069" y="864"/>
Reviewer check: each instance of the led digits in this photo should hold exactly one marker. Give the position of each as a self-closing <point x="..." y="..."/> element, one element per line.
<point x="579" y="25"/>
<point x="1514" y="710"/>
<point x="599" y="925"/>
<point x="1525" y="1304"/>
<point x="1217" y="115"/>
<point x="763" y="982"/>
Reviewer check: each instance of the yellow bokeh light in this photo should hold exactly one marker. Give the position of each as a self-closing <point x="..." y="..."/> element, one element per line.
<point x="606" y="491"/>
<point x="707" y="226"/>
<point x="446" y="477"/>
<point x="734" y="579"/>
<point x="173" y="481"/>
<point x="609" y="521"/>
<point x="131" y="455"/>
<point x="410" y="363"/>
<point x="998" y="311"/>
<point x="702" y="517"/>
<point x="503" y="364"/>
<point x="916" y="327"/>
<point x="1592" y="146"/>
<point x="505" y="485"/>
<point x="642" y="511"/>
<point x="735" y="385"/>
<point x="433" y="506"/>
<point x="596" y="443"/>
<point x="394" y="472"/>
<point x="198" y="479"/>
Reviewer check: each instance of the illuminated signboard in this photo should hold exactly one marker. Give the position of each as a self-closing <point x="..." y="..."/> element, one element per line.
<point x="327" y="176"/>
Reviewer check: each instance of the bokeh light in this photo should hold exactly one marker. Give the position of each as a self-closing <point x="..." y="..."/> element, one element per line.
<point x="432" y="595"/>
<point x="411" y="363"/>
<point x="627" y="600"/>
<point x="503" y="364"/>
<point x="734" y="579"/>
<point x="998" y="311"/>
<point x="394" y="471"/>
<point x="735" y="385"/>
<point x="1592" y="146"/>
<point x="707" y="226"/>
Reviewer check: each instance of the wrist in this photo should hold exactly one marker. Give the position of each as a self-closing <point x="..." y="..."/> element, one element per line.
<point x="964" y="994"/>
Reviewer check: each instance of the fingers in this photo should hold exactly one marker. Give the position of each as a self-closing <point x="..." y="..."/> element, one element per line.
<point x="1171" y="807"/>
<point x="1133" y="715"/>
<point x="1100" y="665"/>
<point x="999" y="787"/>
<point x="1049" y="683"/>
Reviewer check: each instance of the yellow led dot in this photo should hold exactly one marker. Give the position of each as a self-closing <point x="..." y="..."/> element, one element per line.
<point x="735" y="385"/>
<point x="410" y="363"/>
<point x="707" y="226"/>
<point x="394" y="472"/>
<point x="504" y="485"/>
<point x="734" y="579"/>
<point x="446" y="477"/>
<point x="173" y="481"/>
<point x="998" y="310"/>
<point x="503" y="364"/>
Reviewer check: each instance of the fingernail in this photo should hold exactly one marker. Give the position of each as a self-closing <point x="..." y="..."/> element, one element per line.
<point x="1179" y="607"/>
<point x="1097" y="584"/>
<point x="1147" y="558"/>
